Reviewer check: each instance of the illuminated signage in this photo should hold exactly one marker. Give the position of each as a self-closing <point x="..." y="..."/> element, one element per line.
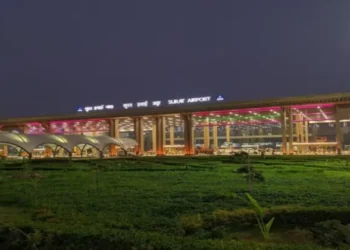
<point x="127" y="105"/>
<point x="189" y="100"/>
<point x="156" y="103"/>
<point x="219" y="98"/>
<point x="95" y="108"/>
<point x="142" y="104"/>
<point x="145" y="104"/>
<point x="176" y="101"/>
<point x="199" y="99"/>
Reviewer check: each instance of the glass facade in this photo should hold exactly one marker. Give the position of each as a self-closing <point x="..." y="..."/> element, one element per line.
<point x="249" y="129"/>
<point x="174" y="135"/>
<point x="296" y="129"/>
<point x="314" y="129"/>
<point x="80" y="127"/>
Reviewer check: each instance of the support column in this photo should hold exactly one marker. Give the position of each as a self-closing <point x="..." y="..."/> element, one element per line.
<point x="306" y="128"/>
<point x="139" y="136"/>
<point x="206" y="133"/>
<point x="228" y="131"/>
<point x="188" y="134"/>
<point x="215" y="135"/>
<point x="171" y="135"/>
<point x="284" y="131"/>
<point x="154" y="137"/>
<point x="306" y="134"/>
<point x="339" y="136"/>
<point x="159" y="121"/>
<point x="164" y="131"/>
<point x="290" y="131"/>
<point x="114" y="129"/>
<point x="297" y="128"/>
<point x="299" y="131"/>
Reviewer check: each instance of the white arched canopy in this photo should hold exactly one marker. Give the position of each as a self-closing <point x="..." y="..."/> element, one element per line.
<point x="29" y="142"/>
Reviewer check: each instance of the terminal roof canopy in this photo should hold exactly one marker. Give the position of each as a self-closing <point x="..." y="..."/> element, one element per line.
<point x="29" y="142"/>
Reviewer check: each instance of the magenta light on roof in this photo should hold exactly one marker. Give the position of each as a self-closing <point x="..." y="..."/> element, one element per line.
<point x="236" y="123"/>
<point x="73" y="121"/>
<point x="240" y="111"/>
<point x="305" y="106"/>
<point x="33" y="123"/>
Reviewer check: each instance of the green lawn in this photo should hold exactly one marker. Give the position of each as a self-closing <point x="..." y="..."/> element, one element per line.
<point x="167" y="203"/>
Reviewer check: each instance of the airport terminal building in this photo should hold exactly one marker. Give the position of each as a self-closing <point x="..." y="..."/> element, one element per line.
<point x="186" y="126"/>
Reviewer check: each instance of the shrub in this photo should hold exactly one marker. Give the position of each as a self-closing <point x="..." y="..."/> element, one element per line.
<point x="238" y="217"/>
<point x="285" y="216"/>
<point x="240" y="157"/>
<point x="252" y="174"/>
<point x="244" y="169"/>
<point x="191" y="224"/>
<point x="255" y="176"/>
<point x="332" y="233"/>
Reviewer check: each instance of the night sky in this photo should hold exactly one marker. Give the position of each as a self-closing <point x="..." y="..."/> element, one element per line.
<point x="57" y="55"/>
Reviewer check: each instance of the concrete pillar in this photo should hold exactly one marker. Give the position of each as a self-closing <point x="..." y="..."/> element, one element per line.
<point x="306" y="128"/>
<point x="164" y="131"/>
<point x="139" y="136"/>
<point x="306" y="134"/>
<point x="114" y="131"/>
<point x="206" y="133"/>
<point x="297" y="128"/>
<point x="159" y="121"/>
<point x="215" y="136"/>
<point x="116" y="128"/>
<point x="188" y="134"/>
<point x="154" y="137"/>
<point x="339" y="136"/>
<point x="290" y="130"/>
<point x="228" y="135"/>
<point x="284" y="131"/>
<point x="171" y="135"/>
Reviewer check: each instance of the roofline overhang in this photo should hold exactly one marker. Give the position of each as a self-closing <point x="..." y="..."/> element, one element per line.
<point x="337" y="98"/>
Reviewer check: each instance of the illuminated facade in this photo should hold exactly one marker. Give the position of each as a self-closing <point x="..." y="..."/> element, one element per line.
<point x="300" y="125"/>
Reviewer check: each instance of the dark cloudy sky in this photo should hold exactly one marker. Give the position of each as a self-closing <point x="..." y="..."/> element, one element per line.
<point x="56" y="55"/>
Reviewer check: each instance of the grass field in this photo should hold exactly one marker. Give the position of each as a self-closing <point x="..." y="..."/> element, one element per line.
<point x="169" y="203"/>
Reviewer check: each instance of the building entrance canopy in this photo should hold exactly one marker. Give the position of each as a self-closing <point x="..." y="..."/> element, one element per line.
<point x="29" y="142"/>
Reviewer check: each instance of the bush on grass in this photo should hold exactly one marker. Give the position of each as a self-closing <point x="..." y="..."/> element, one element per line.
<point x="192" y="223"/>
<point x="285" y="216"/>
<point x="332" y="233"/>
<point x="251" y="173"/>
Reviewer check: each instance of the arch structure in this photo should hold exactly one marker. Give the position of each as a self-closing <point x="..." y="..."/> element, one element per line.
<point x="68" y="142"/>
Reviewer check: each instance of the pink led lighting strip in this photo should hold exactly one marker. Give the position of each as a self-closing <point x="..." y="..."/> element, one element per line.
<point x="310" y="106"/>
<point x="54" y="131"/>
<point x="83" y="121"/>
<point x="239" y="111"/>
<point x="237" y="123"/>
